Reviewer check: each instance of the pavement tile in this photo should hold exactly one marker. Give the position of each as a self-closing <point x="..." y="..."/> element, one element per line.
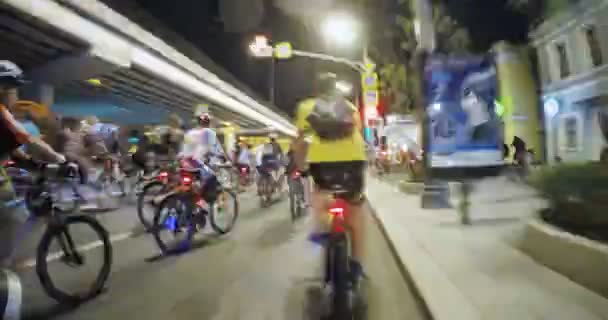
<point x="474" y="272"/>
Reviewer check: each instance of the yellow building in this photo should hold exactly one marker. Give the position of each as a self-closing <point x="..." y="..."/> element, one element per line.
<point x="518" y="96"/>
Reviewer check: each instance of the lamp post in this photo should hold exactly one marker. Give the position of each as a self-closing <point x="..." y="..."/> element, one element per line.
<point x="260" y="47"/>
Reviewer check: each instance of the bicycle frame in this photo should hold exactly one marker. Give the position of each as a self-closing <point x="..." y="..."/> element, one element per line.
<point x="54" y="218"/>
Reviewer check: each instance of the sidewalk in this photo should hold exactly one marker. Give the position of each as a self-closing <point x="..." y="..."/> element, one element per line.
<point x="474" y="272"/>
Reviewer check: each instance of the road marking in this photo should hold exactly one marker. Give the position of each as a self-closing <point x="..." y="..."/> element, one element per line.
<point x="83" y="248"/>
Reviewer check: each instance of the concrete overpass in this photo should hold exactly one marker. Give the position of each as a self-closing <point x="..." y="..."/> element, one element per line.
<point x="64" y="42"/>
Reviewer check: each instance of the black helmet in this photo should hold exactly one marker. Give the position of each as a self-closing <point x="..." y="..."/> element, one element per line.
<point x="10" y="74"/>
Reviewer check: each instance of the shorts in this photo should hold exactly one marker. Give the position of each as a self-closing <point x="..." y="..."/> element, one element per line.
<point x="348" y="176"/>
<point x="270" y="163"/>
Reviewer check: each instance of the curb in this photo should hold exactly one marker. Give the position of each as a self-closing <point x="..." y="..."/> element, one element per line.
<point x="402" y="268"/>
<point x="546" y="243"/>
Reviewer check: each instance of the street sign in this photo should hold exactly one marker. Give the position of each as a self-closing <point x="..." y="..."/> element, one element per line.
<point x="371" y="98"/>
<point x="283" y="50"/>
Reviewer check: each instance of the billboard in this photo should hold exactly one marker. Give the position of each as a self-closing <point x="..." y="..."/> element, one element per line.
<point x="464" y="129"/>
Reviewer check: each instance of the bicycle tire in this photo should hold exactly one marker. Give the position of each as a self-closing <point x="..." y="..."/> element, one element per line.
<point x="339" y="261"/>
<point x="265" y="196"/>
<point x="42" y="263"/>
<point x="158" y="225"/>
<point x="141" y="202"/>
<point x="213" y="218"/>
<point x="292" y="202"/>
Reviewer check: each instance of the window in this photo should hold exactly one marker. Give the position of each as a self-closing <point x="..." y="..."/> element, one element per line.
<point x="595" y="50"/>
<point x="562" y="59"/>
<point x="571" y="130"/>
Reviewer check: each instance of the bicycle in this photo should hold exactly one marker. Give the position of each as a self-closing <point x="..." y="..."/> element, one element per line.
<point x="269" y="184"/>
<point x="297" y="202"/>
<point x="185" y="210"/>
<point x="337" y="258"/>
<point x="22" y="180"/>
<point x="151" y="188"/>
<point x="41" y="203"/>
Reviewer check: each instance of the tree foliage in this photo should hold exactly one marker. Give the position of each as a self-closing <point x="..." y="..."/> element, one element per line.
<point x="396" y="70"/>
<point x="457" y="23"/>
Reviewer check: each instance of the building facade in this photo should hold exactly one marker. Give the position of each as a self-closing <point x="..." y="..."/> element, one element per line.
<point x="572" y="50"/>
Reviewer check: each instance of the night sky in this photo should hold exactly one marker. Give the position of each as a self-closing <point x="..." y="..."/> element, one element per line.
<point x="199" y="22"/>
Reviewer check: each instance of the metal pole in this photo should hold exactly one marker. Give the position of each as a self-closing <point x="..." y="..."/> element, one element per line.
<point x="271" y="80"/>
<point x="425" y="30"/>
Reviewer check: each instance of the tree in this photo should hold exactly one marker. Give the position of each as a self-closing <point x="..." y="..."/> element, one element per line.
<point x="396" y="70"/>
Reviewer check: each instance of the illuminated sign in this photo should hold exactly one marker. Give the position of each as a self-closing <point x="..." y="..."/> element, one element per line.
<point x="283" y="50"/>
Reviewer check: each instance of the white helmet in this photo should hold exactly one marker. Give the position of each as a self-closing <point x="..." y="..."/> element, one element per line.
<point x="10" y="74"/>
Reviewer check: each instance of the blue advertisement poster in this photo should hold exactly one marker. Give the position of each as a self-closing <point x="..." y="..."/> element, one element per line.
<point x="465" y="130"/>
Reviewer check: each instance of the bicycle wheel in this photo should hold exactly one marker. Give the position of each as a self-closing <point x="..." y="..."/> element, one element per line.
<point x="145" y="205"/>
<point x="223" y="212"/>
<point x="299" y="198"/>
<point x="173" y="227"/>
<point x="292" y="200"/>
<point x="339" y="278"/>
<point x="264" y="191"/>
<point x="72" y="256"/>
<point x="295" y="198"/>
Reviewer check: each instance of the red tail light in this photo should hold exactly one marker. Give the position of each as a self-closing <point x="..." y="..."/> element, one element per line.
<point x="8" y="163"/>
<point x="338" y="211"/>
<point x="296" y="174"/>
<point x="244" y="170"/>
<point x="186" y="180"/>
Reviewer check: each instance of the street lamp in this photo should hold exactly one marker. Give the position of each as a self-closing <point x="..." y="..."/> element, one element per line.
<point x="261" y="48"/>
<point x="344" y="87"/>
<point x="340" y="28"/>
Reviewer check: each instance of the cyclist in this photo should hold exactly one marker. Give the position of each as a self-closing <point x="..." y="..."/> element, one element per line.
<point x="201" y="147"/>
<point x="334" y="153"/>
<point x="292" y="167"/>
<point x="243" y="158"/>
<point x="174" y="135"/>
<point x="72" y="146"/>
<point x="102" y="137"/>
<point x="13" y="136"/>
<point x="269" y="157"/>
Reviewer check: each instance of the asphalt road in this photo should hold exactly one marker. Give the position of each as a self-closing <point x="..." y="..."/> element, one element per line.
<point x="265" y="269"/>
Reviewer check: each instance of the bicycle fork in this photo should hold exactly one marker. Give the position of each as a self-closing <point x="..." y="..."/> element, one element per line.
<point x="71" y="256"/>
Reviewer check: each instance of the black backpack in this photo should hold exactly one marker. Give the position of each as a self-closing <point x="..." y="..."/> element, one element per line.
<point x="332" y="119"/>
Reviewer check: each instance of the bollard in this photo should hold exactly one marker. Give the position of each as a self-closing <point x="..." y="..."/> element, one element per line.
<point x="464" y="205"/>
<point x="10" y="295"/>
